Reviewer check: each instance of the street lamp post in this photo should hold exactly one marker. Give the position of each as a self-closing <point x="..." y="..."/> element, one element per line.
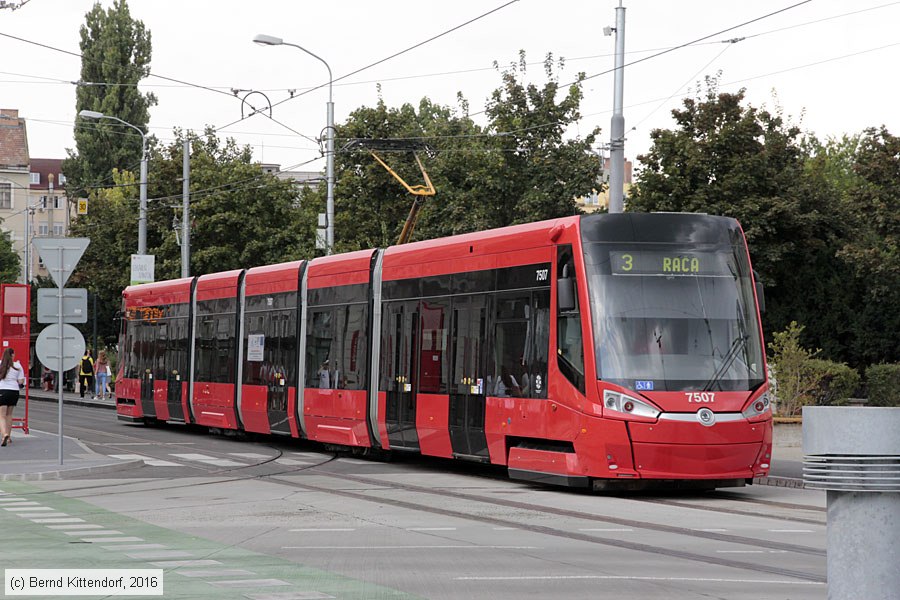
<point x="142" y="218"/>
<point x="268" y="40"/>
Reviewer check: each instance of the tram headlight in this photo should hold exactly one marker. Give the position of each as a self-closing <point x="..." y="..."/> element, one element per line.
<point x="628" y="405"/>
<point x="758" y="407"/>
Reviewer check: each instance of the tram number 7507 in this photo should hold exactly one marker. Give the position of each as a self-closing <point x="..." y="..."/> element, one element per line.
<point x="706" y="397"/>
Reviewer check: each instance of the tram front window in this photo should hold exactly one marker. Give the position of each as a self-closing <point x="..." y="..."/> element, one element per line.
<point x="672" y="318"/>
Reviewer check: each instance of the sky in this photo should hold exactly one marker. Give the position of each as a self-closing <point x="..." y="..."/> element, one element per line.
<point x="826" y="64"/>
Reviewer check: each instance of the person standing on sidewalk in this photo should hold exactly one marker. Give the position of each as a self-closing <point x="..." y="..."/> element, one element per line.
<point x="86" y="373"/>
<point x="11" y="378"/>
<point x="102" y="369"/>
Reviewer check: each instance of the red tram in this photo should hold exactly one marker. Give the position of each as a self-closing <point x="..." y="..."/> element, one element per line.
<point x="581" y="351"/>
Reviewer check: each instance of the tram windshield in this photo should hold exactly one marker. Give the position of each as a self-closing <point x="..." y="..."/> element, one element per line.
<point x="673" y="317"/>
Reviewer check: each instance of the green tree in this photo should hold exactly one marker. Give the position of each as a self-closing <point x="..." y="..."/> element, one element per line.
<point x="105" y="267"/>
<point x="115" y="50"/>
<point x="541" y="173"/>
<point x="517" y="169"/>
<point x="241" y="217"/>
<point x="10" y="266"/>
<point x="872" y="252"/>
<point x="371" y="206"/>
<point x="727" y="159"/>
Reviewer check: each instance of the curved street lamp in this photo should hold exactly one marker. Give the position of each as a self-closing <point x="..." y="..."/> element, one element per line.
<point x="142" y="219"/>
<point x="270" y="40"/>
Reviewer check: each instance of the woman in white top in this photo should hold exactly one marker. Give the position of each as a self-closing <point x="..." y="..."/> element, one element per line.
<point x="11" y="377"/>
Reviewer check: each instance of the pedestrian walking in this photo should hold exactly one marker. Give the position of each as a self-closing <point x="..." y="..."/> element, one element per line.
<point x="12" y="377"/>
<point x="103" y="372"/>
<point x="86" y="373"/>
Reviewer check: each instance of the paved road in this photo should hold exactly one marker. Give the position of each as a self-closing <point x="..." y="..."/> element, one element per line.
<point x="229" y="517"/>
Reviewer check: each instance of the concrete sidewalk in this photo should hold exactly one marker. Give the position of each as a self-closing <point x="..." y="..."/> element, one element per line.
<point x="39" y="395"/>
<point x="36" y="456"/>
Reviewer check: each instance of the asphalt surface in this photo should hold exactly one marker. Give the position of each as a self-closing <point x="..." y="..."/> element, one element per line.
<point x="39" y="455"/>
<point x="226" y="517"/>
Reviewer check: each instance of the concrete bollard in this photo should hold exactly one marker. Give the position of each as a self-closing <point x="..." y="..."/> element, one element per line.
<point x="854" y="454"/>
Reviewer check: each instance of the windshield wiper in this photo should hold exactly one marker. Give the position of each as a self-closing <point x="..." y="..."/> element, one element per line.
<point x="736" y="346"/>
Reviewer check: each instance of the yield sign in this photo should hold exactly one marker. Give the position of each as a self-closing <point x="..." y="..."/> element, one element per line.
<point x="60" y="255"/>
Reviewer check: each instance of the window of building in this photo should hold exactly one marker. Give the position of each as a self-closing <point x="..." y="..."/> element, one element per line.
<point x="5" y="195"/>
<point x="42" y="229"/>
<point x="35" y="178"/>
<point x="61" y="179"/>
<point x="58" y="230"/>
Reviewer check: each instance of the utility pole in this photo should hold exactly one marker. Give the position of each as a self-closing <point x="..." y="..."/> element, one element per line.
<point x="617" y="126"/>
<point x="185" y="216"/>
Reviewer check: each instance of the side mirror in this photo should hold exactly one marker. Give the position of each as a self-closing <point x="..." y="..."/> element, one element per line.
<point x="760" y="293"/>
<point x="565" y="294"/>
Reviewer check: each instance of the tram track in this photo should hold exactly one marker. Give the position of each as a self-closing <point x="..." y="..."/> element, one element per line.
<point x="378" y="487"/>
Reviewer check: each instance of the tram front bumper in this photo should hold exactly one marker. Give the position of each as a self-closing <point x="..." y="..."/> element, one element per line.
<point x="681" y="449"/>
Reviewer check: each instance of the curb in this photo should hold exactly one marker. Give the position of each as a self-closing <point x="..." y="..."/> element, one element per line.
<point x="78" y="402"/>
<point x="60" y="473"/>
<point x="787" y="482"/>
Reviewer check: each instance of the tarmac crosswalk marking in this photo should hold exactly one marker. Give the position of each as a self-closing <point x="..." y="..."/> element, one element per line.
<point x="252" y="455"/>
<point x="75" y="526"/>
<point x="157" y="554"/>
<point x="148" y="460"/>
<point x="292" y="462"/>
<point x="58" y="520"/>
<point x="215" y="573"/>
<point x="210" y="460"/>
<point x="289" y="596"/>
<point x="249" y="583"/>
<point x="101" y="532"/>
<point x="171" y="564"/>
<point x="33" y="515"/>
<point x="107" y="540"/>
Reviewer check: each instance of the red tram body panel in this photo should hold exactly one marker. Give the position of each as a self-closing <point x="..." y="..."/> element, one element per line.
<point x="580" y="351"/>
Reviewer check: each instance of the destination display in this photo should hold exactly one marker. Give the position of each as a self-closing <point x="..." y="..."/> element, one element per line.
<point x="661" y="262"/>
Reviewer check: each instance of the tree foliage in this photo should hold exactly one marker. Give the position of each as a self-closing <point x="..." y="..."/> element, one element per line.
<point x="516" y="169"/>
<point x="748" y="163"/>
<point x="872" y="252"/>
<point x="115" y="50"/>
<point x="241" y="218"/>
<point x="10" y="265"/>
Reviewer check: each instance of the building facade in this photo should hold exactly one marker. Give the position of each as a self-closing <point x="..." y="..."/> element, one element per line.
<point x="33" y="201"/>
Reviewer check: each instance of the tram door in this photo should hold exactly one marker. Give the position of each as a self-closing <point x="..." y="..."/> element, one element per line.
<point x="468" y="385"/>
<point x="147" y="406"/>
<point x="147" y="340"/>
<point x="400" y="354"/>
<point x="175" y="366"/>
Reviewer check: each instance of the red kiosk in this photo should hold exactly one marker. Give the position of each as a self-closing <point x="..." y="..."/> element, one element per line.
<point x="15" y="333"/>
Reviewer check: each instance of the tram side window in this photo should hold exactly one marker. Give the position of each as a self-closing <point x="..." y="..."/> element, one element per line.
<point x="569" y="342"/>
<point x="319" y="340"/>
<point x="351" y="347"/>
<point x="206" y="348"/>
<point x="508" y="375"/>
<point x="161" y="333"/>
<point x="433" y="369"/>
<point x="129" y="329"/>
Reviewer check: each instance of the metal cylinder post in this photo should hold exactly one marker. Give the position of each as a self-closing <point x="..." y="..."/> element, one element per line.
<point x="854" y="454"/>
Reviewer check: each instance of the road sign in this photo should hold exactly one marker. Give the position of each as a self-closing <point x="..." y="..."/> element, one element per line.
<point x="142" y="268"/>
<point x="47" y="347"/>
<point x="82" y="206"/>
<point x="60" y="255"/>
<point x="74" y="305"/>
